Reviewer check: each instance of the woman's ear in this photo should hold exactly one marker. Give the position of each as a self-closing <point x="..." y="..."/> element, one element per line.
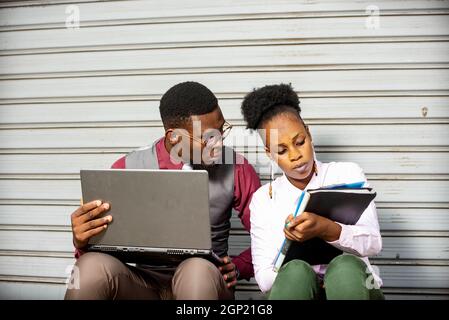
<point x="308" y="132"/>
<point x="267" y="151"/>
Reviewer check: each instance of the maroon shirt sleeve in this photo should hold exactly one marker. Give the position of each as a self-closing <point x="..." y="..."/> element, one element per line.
<point x="119" y="164"/>
<point x="246" y="183"/>
<point x="78" y="253"/>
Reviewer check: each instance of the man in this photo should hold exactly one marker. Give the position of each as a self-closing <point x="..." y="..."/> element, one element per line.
<point x="194" y="129"/>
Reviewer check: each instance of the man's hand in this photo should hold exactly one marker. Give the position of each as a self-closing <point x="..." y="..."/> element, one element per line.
<point x="84" y="226"/>
<point x="309" y="225"/>
<point x="229" y="271"/>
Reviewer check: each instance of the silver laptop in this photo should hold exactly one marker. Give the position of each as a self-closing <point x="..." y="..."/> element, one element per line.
<point x="160" y="217"/>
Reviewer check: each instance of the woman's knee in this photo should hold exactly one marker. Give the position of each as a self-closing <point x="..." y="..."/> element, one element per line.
<point x="345" y="278"/>
<point x="295" y="280"/>
<point x="346" y="263"/>
<point x="297" y="269"/>
<point x="345" y="258"/>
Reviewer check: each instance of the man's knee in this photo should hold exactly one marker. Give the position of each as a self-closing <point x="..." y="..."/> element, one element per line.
<point x="197" y="278"/>
<point x="91" y="273"/>
<point x="196" y="268"/>
<point x="98" y="265"/>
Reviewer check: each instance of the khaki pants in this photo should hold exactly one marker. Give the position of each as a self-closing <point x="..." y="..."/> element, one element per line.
<point x="102" y="276"/>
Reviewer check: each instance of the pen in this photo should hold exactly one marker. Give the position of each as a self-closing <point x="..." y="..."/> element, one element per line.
<point x="301" y="197"/>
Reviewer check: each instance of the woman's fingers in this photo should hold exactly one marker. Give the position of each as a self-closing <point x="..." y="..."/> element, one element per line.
<point x="293" y="224"/>
<point x="303" y="227"/>
<point x="291" y="235"/>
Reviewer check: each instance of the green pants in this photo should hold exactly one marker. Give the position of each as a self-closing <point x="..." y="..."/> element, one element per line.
<point x="345" y="279"/>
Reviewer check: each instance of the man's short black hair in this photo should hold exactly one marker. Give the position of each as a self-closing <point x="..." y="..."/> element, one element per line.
<point x="184" y="100"/>
<point x="264" y="103"/>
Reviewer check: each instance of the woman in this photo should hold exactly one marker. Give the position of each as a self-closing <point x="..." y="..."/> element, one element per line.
<point x="288" y="143"/>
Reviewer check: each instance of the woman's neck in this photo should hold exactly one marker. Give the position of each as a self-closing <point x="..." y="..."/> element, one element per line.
<point x="301" y="184"/>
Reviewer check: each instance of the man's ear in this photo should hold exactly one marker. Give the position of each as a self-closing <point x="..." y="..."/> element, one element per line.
<point x="172" y="137"/>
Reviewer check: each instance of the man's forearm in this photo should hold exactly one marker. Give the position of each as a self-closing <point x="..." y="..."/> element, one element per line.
<point x="244" y="264"/>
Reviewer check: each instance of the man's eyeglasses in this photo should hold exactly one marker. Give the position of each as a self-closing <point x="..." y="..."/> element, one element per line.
<point x="213" y="137"/>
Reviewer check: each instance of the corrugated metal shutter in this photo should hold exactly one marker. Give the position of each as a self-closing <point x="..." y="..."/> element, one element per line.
<point x="80" y="98"/>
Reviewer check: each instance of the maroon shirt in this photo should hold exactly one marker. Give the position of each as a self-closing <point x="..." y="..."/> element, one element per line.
<point x="246" y="183"/>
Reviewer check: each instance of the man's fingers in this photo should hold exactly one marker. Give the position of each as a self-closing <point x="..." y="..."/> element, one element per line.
<point x="93" y="232"/>
<point x="93" y="213"/>
<point x="227" y="268"/>
<point x="86" y="207"/>
<point x="92" y="224"/>
<point x="225" y="260"/>
<point x="229" y="276"/>
<point x="232" y="283"/>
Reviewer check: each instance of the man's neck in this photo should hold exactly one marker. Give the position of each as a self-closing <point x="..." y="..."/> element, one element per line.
<point x="167" y="145"/>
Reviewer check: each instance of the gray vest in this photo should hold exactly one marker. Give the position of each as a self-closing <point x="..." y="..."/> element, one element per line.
<point x="221" y="192"/>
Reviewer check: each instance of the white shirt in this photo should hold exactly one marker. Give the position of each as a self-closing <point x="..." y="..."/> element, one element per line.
<point x="187" y="166"/>
<point x="268" y="219"/>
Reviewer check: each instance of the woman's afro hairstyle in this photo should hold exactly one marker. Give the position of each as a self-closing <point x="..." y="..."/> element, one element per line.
<point x="264" y="103"/>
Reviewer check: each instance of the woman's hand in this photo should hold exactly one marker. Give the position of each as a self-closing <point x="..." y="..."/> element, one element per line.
<point x="309" y="225"/>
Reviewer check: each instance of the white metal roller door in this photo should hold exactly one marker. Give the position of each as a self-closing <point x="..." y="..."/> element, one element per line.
<point x="375" y="94"/>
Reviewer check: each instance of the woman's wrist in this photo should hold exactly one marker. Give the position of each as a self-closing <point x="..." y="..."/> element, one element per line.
<point x="331" y="231"/>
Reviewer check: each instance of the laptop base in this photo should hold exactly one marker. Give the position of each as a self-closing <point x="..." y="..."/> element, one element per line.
<point x="155" y="256"/>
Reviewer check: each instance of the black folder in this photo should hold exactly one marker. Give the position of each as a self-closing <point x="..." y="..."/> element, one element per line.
<point x="339" y="205"/>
